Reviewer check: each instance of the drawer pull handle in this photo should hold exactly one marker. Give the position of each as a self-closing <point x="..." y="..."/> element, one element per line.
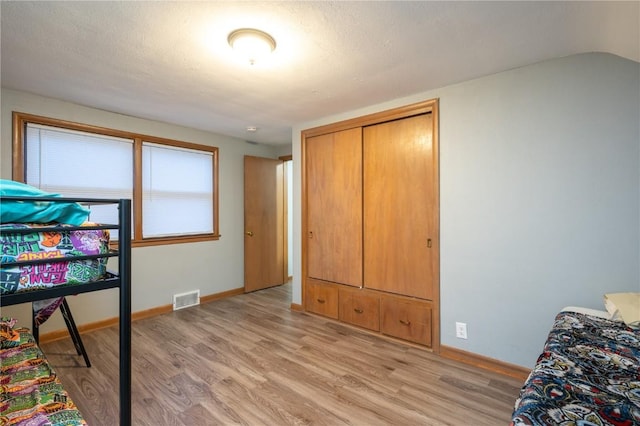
<point x="407" y="323"/>
<point x="320" y="300"/>
<point x="358" y="310"/>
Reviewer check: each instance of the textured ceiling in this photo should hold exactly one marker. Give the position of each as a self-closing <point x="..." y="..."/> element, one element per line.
<point x="170" y="61"/>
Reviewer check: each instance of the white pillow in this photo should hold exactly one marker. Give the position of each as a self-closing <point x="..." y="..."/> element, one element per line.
<point x="625" y="307"/>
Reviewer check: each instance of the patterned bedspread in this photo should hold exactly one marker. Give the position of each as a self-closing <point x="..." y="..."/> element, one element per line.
<point x="588" y="374"/>
<point x="55" y="246"/>
<point x="30" y="392"/>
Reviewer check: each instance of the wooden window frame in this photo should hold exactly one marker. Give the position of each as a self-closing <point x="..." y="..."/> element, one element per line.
<point x="20" y="121"/>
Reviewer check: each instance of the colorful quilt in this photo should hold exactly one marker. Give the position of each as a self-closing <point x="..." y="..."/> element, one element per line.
<point x="588" y="374"/>
<point x="30" y="392"/>
<point x="49" y="245"/>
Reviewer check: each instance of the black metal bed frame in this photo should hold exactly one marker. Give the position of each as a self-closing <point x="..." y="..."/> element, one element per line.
<point x="121" y="280"/>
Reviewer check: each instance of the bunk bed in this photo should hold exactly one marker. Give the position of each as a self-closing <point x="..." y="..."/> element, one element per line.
<point x="14" y="293"/>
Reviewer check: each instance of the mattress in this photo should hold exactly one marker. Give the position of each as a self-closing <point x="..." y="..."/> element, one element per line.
<point x="53" y="246"/>
<point x="30" y="391"/>
<point x="588" y="373"/>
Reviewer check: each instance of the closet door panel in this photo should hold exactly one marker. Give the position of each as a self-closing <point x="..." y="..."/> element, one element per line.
<point x="400" y="233"/>
<point x="334" y="206"/>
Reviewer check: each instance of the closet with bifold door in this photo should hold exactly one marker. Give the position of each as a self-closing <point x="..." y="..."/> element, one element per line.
<point x="370" y="250"/>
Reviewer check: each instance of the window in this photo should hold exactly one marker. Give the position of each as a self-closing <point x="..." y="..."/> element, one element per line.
<point x="172" y="181"/>
<point x="69" y="162"/>
<point x="173" y="184"/>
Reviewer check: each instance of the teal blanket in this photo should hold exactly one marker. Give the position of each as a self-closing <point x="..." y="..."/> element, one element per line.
<point x="38" y="211"/>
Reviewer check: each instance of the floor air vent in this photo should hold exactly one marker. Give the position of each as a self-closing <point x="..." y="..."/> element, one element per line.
<point x="185" y="300"/>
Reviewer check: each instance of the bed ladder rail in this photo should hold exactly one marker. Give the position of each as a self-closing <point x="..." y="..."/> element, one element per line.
<point x="71" y="327"/>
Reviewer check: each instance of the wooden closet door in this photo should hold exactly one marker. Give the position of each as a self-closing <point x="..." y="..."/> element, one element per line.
<point x="334" y="206"/>
<point x="400" y="218"/>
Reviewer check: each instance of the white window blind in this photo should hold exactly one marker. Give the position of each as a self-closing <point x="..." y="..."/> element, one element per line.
<point x="177" y="189"/>
<point x="80" y="164"/>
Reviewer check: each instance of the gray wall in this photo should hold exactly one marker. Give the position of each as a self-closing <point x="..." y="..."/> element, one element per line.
<point x="539" y="197"/>
<point x="211" y="266"/>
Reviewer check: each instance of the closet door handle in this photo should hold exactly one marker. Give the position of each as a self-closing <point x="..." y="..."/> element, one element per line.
<point x="320" y="300"/>
<point x="358" y="310"/>
<point x="407" y="323"/>
<point x="249" y="233"/>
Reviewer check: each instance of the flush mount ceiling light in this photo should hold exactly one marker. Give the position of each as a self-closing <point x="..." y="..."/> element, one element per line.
<point x="252" y="44"/>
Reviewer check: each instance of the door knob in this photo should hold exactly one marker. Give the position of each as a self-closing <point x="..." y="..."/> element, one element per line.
<point x="249" y="233"/>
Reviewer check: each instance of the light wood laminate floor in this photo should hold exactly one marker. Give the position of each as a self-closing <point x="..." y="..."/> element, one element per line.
<point x="250" y="360"/>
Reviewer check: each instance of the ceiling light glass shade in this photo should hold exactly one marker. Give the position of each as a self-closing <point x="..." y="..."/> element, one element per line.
<point x="252" y="44"/>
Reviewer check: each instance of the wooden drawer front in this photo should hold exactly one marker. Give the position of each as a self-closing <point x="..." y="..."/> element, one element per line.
<point x="322" y="299"/>
<point x="406" y="319"/>
<point x="360" y="308"/>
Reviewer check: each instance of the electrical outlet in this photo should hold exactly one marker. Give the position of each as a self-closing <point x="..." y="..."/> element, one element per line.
<point x="461" y="330"/>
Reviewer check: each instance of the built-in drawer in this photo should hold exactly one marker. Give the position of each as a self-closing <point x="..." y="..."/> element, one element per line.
<point x="406" y="319"/>
<point x="321" y="298"/>
<point x="361" y="308"/>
